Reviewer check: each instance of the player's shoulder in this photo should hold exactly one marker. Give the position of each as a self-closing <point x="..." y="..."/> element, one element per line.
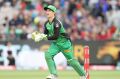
<point x="57" y="21"/>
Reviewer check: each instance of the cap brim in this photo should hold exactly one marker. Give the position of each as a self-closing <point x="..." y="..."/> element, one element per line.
<point x="45" y="8"/>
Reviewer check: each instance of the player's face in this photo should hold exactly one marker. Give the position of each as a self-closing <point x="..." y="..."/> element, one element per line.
<point x="49" y="13"/>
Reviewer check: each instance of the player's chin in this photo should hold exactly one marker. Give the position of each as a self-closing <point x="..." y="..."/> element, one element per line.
<point x="48" y="16"/>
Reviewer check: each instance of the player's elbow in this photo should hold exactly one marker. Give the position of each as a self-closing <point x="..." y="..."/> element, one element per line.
<point x="55" y="37"/>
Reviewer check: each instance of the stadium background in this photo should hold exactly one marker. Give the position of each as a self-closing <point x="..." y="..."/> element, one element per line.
<point x="95" y="23"/>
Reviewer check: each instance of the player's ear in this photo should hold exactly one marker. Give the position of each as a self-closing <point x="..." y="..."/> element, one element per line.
<point x="54" y="14"/>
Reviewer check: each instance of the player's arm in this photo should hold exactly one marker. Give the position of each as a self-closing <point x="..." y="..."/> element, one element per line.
<point x="36" y="36"/>
<point x="56" y="32"/>
<point x="45" y="29"/>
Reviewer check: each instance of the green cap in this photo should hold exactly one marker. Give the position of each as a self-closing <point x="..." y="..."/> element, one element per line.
<point x="51" y="7"/>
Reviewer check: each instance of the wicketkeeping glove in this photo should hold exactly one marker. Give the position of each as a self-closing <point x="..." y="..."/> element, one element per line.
<point x="37" y="36"/>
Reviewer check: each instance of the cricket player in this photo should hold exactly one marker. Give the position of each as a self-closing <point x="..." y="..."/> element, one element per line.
<point x="54" y="30"/>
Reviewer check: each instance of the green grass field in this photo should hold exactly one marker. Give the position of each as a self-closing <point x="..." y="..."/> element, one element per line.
<point x="62" y="75"/>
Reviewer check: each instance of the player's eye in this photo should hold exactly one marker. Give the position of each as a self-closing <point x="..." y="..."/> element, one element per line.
<point x="48" y="9"/>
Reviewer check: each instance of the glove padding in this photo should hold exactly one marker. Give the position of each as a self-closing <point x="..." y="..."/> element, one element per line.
<point x="37" y="36"/>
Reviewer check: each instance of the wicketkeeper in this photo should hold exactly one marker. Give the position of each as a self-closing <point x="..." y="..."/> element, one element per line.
<point x="54" y="30"/>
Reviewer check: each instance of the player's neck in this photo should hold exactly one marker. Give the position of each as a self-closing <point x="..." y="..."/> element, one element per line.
<point x="51" y="19"/>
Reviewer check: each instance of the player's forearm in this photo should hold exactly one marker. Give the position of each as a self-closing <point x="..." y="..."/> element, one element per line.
<point x="45" y="31"/>
<point x="56" y="34"/>
<point x="54" y="37"/>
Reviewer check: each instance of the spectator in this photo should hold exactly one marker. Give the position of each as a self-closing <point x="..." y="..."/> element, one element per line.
<point x="87" y="16"/>
<point x="1" y="58"/>
<point x="72" y="7"/>
<point x="10" y="58"/>
<point x="17" y="20"/>
<point x="118" y="63"/>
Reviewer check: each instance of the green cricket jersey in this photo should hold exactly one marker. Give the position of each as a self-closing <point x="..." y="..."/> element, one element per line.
<point x="55" y="31"/>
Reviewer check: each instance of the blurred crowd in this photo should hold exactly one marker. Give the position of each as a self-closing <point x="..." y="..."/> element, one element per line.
<point x="82" y="19"/>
